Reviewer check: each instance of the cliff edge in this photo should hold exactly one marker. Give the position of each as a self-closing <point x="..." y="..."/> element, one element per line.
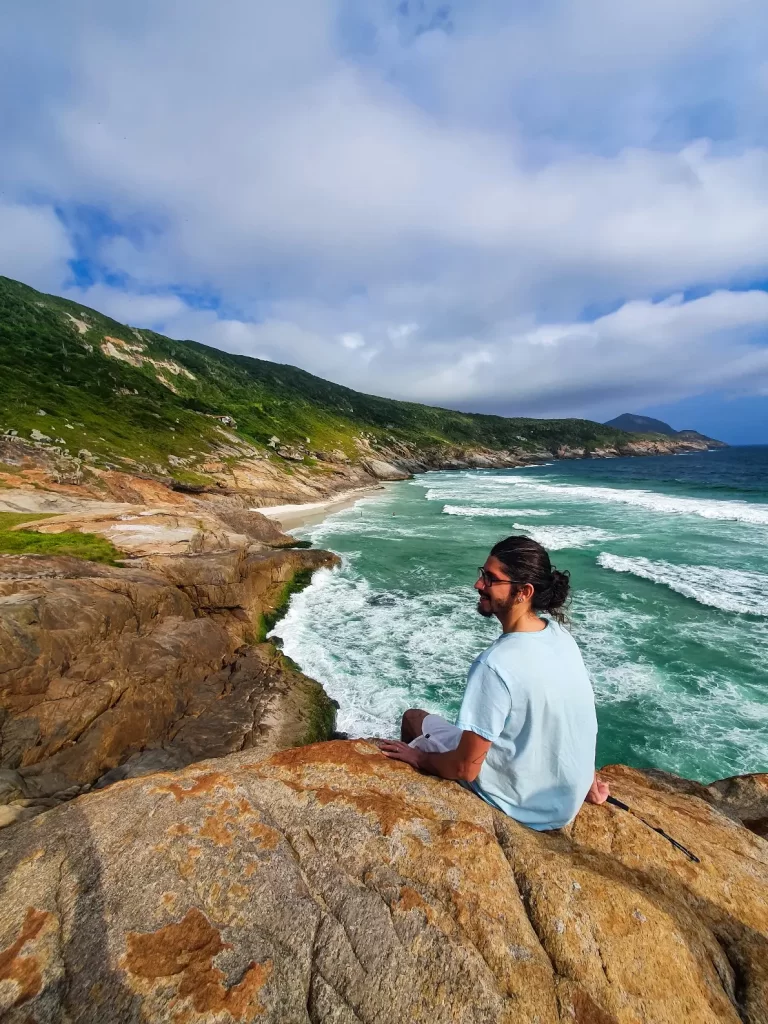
<point x="108" y="671"/>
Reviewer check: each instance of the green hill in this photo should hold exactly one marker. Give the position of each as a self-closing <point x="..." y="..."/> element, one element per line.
<point x="142" y="402"/>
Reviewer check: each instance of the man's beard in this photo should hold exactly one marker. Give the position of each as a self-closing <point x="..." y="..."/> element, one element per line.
<point x="484" y="607"/>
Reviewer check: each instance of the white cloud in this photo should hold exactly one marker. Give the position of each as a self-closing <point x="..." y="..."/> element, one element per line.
<point x="407" y="210"/>
<point x="131" y="308"/>
<point x="33" y="245"/>
<point x="352" y="340"/>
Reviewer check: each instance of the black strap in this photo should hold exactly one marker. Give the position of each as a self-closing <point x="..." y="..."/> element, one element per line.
<point x="678" y="846"/>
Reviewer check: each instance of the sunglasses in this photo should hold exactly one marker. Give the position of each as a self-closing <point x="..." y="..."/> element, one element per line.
<point x="488" y="580"/>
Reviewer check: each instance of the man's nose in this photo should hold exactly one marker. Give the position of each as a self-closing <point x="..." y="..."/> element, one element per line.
<point x="479" y="585"/>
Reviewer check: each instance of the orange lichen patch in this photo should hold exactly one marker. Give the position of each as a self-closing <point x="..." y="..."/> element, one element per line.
<point x="411" y="900"/>
<point x="342" y="753"/>
<point x="202" y="785"/>
<point x="267" y="837"/>
<point x="186" y="865"/>
<point x="179" y="829"/>
<point x="390" y="810"/>
<point x="185" y="952"/>
<point x="24" y="970"/>
<point x="463" y="831"/>
<point x="217" y="827"/>
<point x="250" y="868"/>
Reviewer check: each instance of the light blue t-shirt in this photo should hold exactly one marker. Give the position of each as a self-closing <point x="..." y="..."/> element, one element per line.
<point x="530" y="694"/>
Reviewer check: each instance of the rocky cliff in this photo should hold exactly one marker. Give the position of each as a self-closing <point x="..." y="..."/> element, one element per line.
<point x="107" y="670"/>
<point x="246" y="481"/>
<point x="329" y="885"/>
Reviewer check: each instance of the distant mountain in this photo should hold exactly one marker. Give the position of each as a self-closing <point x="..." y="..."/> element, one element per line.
<point x="648" y="425"/>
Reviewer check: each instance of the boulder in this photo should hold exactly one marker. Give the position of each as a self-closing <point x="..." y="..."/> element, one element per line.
<point x="743" y="797"/>
<point x="255" y="526"/>
<point x="384" y="470"/>
<point x="328" y="885"/>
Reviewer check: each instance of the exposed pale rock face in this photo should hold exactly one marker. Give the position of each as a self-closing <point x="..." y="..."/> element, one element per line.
<point x="329" y="885"/>
<point x="98" y="663"/>
<point x="149" y="531"/>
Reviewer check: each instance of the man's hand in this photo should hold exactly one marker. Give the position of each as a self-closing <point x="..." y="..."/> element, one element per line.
<point x="462" y="764"/>
<point x="599" y="791"/>
<point x="398" y="751"/>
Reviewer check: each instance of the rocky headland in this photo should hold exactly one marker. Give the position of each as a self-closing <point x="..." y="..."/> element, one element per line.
<point x="35" y="478"/>
<point x="180" y="847"/>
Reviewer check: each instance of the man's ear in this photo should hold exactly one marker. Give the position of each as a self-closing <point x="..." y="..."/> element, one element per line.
<point x="526" y="591"/>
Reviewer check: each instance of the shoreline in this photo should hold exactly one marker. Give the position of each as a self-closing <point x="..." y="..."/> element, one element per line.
<point x="290" y="517"/>
<point x="295" y="517"/>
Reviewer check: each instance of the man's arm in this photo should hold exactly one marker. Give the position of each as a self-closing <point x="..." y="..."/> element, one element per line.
<point x="462" y="764"/>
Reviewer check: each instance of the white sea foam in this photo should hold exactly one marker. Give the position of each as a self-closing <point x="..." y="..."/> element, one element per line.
<point x="724" y="721"/>
<point x="500" y="513"/>
<point x="462" y="490"/>
<point x="554" y="538"/>
<point x="378" y="653"/>
<point x="731" y="590"/>
<point x="376" y="523"/>
<point x="706" y="508"/>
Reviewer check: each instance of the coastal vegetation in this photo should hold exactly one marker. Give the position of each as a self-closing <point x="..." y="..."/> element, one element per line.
<point x="77" y="545"/>
<point x="109" y="395"/>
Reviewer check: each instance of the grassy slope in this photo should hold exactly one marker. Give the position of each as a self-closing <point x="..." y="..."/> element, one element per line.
<point x="25" y="542"/>
<point x="119" y="411"/>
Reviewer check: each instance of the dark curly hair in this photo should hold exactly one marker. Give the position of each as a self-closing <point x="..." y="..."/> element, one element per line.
<point x="527" y="561"/>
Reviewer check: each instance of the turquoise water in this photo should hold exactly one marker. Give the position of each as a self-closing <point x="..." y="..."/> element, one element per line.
<point x="669" y="567"/>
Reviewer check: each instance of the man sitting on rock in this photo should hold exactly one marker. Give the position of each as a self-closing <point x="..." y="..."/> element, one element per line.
<point x="525" y="737"/>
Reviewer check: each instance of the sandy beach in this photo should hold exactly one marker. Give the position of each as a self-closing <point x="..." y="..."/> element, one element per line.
<point x="293" y="517"/>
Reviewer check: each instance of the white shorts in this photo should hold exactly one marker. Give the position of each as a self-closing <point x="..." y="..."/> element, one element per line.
<point x="437" y="736"/>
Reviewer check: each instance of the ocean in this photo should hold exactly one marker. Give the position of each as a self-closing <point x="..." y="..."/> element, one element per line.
<point x="669" y="569"/>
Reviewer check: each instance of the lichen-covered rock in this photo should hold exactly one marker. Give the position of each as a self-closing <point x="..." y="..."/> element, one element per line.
<point x="328" y="885"/>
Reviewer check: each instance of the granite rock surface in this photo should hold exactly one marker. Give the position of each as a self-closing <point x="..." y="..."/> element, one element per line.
<point x="329" y="885"/>
<point x="99" y="664"/>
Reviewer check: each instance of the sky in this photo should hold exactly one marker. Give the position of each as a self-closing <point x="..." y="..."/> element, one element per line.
<point x="526" y="207"/>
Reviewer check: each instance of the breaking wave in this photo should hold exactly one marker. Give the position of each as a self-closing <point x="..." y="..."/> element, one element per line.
<point x="730" y="590"/>
<point x="341" y="627"/>
<point x="478" y="510"/>
<point x="554" y="538"/>
<point x="706" y="508"/>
